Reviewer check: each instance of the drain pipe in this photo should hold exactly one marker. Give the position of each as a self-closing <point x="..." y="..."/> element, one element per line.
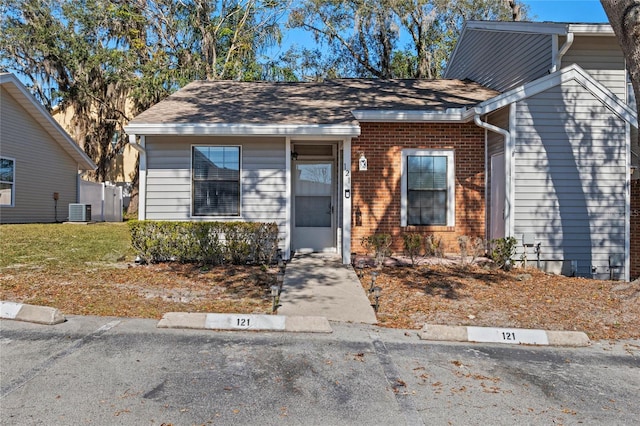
<point x="507" y="167"/>
<point x="558" y="56"/>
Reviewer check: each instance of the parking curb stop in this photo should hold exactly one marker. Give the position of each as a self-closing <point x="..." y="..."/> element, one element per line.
<point x="30" y="313"/>
<point x="506" y="335"/>
<point x="248" y="322"/>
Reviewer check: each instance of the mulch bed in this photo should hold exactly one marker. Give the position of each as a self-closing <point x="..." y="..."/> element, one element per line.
<point x="447" y="293"/>
<point x="439" y="291"/>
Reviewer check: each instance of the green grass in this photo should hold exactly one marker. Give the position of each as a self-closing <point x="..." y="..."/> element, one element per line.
<point x="63" y="245"/>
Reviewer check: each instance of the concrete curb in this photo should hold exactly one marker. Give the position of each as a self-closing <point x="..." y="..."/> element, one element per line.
<point x="503" y="335"/>
<point x="249" y="322"/>
<point x="30" y="313"/>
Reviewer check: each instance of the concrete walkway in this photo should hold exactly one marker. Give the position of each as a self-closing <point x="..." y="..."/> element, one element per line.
<point x="320" y="285"/>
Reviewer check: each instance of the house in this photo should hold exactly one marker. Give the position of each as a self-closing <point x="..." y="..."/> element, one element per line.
<point x="578" y="191"/>
<point x="333" y="162"/>
<point x="39" y="163"/>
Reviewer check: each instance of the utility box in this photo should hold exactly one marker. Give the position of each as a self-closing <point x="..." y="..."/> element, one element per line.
<point x="79" y="212"/>
<point x="528" y="240"/>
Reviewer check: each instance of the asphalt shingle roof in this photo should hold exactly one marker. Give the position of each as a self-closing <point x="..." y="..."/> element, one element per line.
<point x="329" y="102"/>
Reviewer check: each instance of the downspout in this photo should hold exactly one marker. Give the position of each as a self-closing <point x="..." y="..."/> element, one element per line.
<point x="507" y="168"/>
<point x="555" y="63"/>
<point x="142" y="175"/>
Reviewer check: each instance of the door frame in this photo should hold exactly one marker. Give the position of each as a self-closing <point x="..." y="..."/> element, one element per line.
<point x="336" y="184"/>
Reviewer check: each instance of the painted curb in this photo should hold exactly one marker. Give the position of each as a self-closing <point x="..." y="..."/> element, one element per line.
<point x="503" y="335"/>
<point x="30" y="313"/>
<point x="247" y="322"/>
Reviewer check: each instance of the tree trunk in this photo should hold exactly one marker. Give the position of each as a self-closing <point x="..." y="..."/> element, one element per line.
<point x="624" y="16"/>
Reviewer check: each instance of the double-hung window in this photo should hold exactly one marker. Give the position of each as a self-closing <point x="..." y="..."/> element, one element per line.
<point x="428" y="182"/>
<point x="215" y="182"/>
<point x="7" y="181"/>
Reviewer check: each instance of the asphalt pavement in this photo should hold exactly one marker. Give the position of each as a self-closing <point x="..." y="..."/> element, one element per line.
<point x="119" y="371"/>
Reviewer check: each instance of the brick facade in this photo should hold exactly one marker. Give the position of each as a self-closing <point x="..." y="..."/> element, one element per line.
<point x="635" y="229"/>
<point x="376" y="192"/>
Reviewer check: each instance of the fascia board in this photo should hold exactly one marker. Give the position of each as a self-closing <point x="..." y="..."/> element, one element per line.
<point x="240" y="129"/>
<point x="409" y="116"/>
<point x="455" y="50"/>
<point x="42" y="116"/>
<point x="591" y="29"/>
<point x="519" y="27"/>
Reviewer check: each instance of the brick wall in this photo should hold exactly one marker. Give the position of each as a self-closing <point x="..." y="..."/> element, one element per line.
<point x="376" y="192"/>
<point x="635" y="229"/>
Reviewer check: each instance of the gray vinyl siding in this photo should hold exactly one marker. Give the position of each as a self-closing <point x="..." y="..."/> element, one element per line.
<point x="501" y="60"/>
<point x="602" y="58"/>
<point x="42" y="167"/>
<point x="570" y="177"/>
<point x="262" y="178"/>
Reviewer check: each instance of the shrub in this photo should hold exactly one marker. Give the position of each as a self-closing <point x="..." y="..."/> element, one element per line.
<point x="470" y="246"/>
<point x="463" y="242"/>
<point x="204" y="242"/>
<point x="412" y="245"/>
<point x="378" y="244"/>
<point x="502" y="250"/>
<point x="433" y="246"/>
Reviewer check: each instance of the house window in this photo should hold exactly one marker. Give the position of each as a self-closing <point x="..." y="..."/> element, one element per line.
<point x="428" y="181"/>
<point x="7" y="181"/>
<point x="216" y="180"/>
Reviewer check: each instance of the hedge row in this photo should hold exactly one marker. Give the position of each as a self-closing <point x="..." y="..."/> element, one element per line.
<point x="214" y="243"/>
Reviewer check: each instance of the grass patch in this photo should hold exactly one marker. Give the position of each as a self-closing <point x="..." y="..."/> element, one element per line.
<point x="90" y="270"/>
<point x="63" y="245"/>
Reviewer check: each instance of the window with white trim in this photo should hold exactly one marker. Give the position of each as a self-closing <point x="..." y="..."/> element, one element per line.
<point x="7" y="181"/>
<point x="215" y="179"/>
<point x="428" y="182"/>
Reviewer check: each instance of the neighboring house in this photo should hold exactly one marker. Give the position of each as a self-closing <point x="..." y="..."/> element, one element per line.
<point x="39" y="163"/>
<point x="337" y="161"/>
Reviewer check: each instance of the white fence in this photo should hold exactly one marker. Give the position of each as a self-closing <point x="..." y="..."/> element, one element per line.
<point x="105" y="200"/>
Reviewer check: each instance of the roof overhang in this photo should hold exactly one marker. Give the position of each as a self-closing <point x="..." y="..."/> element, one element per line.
<point x="557" y="28"/>
<point x="42" y="116"/>
<point x="451" y="115"/>
<point x="243" y="129"/>
<point x="572" y="72"/>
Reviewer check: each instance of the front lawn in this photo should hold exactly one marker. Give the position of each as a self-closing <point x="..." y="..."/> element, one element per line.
<point x="90" y="270"/>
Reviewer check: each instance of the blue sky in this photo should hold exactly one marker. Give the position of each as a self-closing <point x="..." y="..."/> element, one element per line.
<point x="567" y="10"/>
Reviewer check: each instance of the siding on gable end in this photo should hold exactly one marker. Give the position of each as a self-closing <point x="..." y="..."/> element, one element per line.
<point x="602" y="58"/>
<point x="42" y="167"/>
<point x="501" y="60"/>
<point x="570" y="177"/>
<point x="263" y="178"/>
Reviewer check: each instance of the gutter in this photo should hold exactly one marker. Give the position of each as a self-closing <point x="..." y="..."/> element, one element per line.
<point x="558" y="57"/>
<point x="508" y="152"/>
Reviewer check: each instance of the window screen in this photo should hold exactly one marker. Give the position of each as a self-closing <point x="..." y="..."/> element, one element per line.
<point x="426" y="190"/>
<point x="216" y="180"/>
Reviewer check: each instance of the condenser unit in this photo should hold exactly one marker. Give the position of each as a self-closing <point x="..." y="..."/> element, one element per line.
<point x="79" y="212"/>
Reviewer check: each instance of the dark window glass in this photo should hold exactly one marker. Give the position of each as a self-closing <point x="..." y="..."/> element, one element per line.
<point x="427" y="190"/>
<point x="216" y="180"/>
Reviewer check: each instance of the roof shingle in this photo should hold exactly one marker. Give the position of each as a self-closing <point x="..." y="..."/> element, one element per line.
<point x="329" y="102"/>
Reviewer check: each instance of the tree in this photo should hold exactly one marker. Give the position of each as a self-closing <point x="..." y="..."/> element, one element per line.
<point x="624" y="16"/>
<point x="107" y="60"/>
<point x="365" y="37"/>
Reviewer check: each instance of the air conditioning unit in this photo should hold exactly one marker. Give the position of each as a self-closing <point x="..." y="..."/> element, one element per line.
<point x="79" y="212"/>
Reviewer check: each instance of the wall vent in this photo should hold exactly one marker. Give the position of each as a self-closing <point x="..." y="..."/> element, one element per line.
<point x="79" y="212"/>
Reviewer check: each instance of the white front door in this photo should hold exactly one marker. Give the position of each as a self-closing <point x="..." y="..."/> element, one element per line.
<point x="314" y="219"/>
<point x="497" y="197"/>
